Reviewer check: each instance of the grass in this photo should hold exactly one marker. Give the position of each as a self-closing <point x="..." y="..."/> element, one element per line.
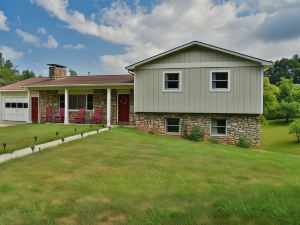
<point x="275" y="137"/>
<point x="123" y="176"/>
<point x="22" y="136"/>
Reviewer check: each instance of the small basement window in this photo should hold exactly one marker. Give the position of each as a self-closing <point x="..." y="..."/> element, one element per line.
<point x="218" y="127"/>
<point x="172" y="81"/>
<point x="172" y="126"/>
<point x="219" y="81"/>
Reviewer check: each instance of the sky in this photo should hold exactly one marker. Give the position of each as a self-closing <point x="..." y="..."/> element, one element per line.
<point x="102" y="37"/>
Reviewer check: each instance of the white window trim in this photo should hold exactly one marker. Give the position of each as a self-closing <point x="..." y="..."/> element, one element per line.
<point x="218" y="135"/>
<point x="86" y="100"/>
<point x="219" y="89"/>
<point x="180" y="81"/>
<point x="173" y="133"/>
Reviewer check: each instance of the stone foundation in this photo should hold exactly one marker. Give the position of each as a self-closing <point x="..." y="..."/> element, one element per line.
<point x="237" y="124"/>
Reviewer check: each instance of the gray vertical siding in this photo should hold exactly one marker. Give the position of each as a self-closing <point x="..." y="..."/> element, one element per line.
<point x="195" y="97"/>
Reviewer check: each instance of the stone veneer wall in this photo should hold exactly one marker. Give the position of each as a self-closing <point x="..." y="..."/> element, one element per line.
<point x="56" y="73"/>
<point x="48" y="98"/>
<point x="237" y="124"/>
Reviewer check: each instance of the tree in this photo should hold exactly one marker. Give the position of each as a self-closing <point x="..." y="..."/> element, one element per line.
<point x="26" y="74"/>
<point x="285" y="67"/>
<point x="289" y="105"/>
<point x="294" y="128"/>
<point x="72" y="72"/>
<point x="270" y="97"/>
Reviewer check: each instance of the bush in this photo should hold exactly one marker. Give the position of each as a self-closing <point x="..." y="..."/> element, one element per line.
<point x="196" y="134"/>
<point x="263" y="120"/>
<point x="244" y="141"/>
<point x="214" y="141"/>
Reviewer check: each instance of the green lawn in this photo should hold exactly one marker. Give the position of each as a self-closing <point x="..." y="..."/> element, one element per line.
<point x="22" y="136"/>
<point x="275" y="137"/>
<point x="128" y="177"/>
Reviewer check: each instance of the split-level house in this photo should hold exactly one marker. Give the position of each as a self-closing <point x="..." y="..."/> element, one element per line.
<point x="194" y="84"/>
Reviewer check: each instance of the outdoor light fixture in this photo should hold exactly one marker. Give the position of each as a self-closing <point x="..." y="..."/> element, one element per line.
<point x="56" y="134"/>
<point x="75" y="129"/>
<point x="62" y="140"/>
<point x="35" y="138"/>
<point x="4" y="146"/>
<point x="32" y="148"/>
<point x="97" y="130"/>
<point x="81" y="134"/>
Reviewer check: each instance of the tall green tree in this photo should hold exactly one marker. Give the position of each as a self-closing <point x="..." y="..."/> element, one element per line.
<point x="271" y="92"/>
<point x="285" y="67"/>
<point x="8" y="72"/>
<point x="72" y="72"/>
<point x="26" y="74"/>
<point x="289" y="105"/>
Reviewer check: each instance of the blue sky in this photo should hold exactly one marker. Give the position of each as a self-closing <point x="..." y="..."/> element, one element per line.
<point x="102" y="37"/>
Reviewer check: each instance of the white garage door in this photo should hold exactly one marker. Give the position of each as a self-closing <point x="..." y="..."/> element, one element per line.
<point x="15" y="109"/>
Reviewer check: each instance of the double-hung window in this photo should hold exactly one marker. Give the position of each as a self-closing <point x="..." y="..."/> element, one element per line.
<point x="219" y="80"/>
<point x="77" y="101"/>
<point x="172" y="81"/>
<point x="172" y="126"/>
<point x="218" y="127"/>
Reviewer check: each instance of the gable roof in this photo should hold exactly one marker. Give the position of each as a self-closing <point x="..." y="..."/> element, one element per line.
<point x="95" y="80"/>
<point x="19" y="86"/>
<point x="201" y="44"/>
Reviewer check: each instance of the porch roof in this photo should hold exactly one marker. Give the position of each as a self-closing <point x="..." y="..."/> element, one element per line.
<point x="95" y="80"/>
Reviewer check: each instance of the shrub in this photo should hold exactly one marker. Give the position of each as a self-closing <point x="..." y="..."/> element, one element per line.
<point x="244" y="141"/>
<point x="263" y="120"/>
<point x="214" y="141"/>
<point x="196" y="133"/>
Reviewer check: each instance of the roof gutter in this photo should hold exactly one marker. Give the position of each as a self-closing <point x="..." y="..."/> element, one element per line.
<point x="79" y="85"/>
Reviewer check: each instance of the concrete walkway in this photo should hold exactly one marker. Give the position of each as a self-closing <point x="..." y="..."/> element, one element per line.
<point x="37" y="148"/>
<point x="4" y="123"/>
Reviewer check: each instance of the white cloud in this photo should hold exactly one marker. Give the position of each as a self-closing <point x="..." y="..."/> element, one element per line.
<point x="76" y="46"/>
<point x="236" y="25"/>
<point x="32" y="39"/>
<point x="10" y="53"/>
<point x="51" y="42"/>
<point x="3" y="22"/>
<point x="42" y="30"/>
<point x="29" y="38"/>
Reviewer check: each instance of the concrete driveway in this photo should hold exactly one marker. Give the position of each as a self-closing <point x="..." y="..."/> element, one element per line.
<point x="9" y="123"/>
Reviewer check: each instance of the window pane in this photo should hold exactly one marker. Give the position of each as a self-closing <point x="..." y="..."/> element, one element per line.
<point x="221" y="130"/>
<point x="214" y="131"/>
<point x="221" y="84"/>
<point x="20" y="105"/>
<point x="172" y="84"/>
<point x="73" y="102"/>
<point x="81" y="101"/>
<point x="90" y="102"/>
<point x="173" y="122"/>
<point x="173" y="129"/>
<point x="220" y="76"/>
<point x="7" y="105"/>
<point x="221" y="123"/>
<point x="61" y="101"/>
<point x="25" y="105"/>
<point x="172" y="76"/>
<point x="13" y="105"/>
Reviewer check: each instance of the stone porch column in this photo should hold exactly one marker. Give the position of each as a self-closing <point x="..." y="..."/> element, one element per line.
<point x="108" y="106"/>
<point x="29" y="107"/>
<point x="66" y="107"/>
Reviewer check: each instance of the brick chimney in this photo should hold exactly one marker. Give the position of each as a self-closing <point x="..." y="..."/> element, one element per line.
<point x="57" y="72"/>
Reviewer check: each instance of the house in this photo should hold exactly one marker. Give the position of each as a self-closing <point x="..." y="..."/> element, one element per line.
<point x="193" y="84"/>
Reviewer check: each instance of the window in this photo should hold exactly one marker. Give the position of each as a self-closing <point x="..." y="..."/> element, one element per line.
<point x="172" y="126"/>
<point x="19" y="105"/>
<point x="172" y="81"/>
<point x="77" y="101"/>
<point x="25" y="105"/>
<point x="220" y="81"/>
<point x="7" y="105"/>
<point x="218" y="127"/>
<point x="14" y="105"/>
<point x="90" y="104"/>
<point x="62" y="101"/>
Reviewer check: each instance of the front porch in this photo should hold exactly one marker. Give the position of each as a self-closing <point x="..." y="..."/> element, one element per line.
<point x="116" y="105"/>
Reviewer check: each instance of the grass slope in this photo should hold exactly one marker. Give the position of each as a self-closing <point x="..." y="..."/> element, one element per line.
<point x="128" y="177"/>
<point x="275" y="137"/>
<point x="21" y="136"/>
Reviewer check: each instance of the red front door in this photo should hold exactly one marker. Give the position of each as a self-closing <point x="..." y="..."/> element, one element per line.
<point x="123" y="114"/>
<point x="34" y="109"/>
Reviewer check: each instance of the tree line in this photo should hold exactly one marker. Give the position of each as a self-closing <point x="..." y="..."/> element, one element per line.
<point x="282" y="89"/>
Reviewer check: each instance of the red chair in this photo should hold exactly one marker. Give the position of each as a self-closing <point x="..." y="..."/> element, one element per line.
<point x="48" y="116"/>
<point x="80" y="118"/>
<point x="61" y="117"/>
<point x="97" y="117"/>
